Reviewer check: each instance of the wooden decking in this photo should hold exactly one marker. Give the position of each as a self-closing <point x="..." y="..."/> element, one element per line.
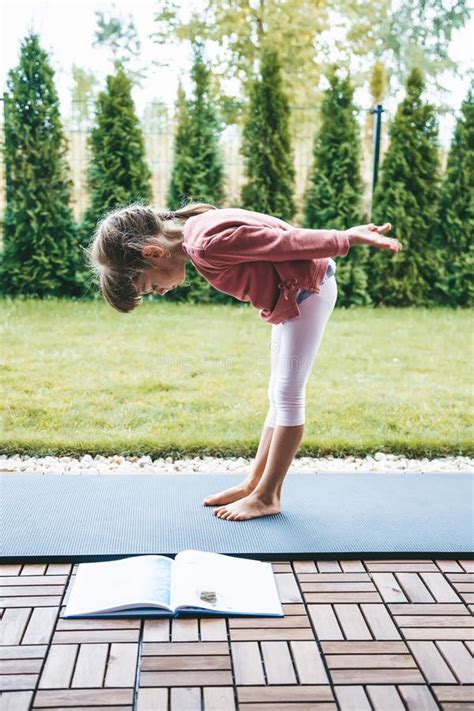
<point x="356" y="635"/>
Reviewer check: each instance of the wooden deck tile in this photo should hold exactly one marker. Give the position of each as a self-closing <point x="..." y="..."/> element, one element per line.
<point x="122" y="665"/>
<point x="351" y="566"/>
<point x="16" y="700"/>
<point x="152" y="698"/>
<point x="440" y="587"/>
<point x="212" y="630"/>
<point x="186" y="678"/>
<point x="325" y="622"/>
<point x="396" y="634"/>
<point x="248" y="665"/>
<point x="418" y="697"/>
<point x="288" y="587"/>
<point x="304" y="566"/>
<point x="453" y="693"/>
<point x="309" y="663"/>
<point x="271" y="634"/>
<point x="380" y="622"/>
<point x="414" y="588"/>
<point x="401" y="566"/>
<point x="218" y="698"/>
<point x="431" y="663"/>
<point x="369" y="661"/>
<point x="90" y="665"/>
<point x="13" y="625"/>
<point x="185" y="630"/>
<point x="374" y="647"/>
<point x="282" y="694"/>
<point x="206" y="662"/>
<point x="376" y="676"/>
<point x="352" y="697"/>
<point x="429" y="609"/>
<point x="40" y="627"/>
<point x="156" y="630"/>
<point x="449" y="566"/>
<point x="389" y="588"/>
<point x="83" y="697"/>
<point x="328" y="566"/>
<point x="185" y="699"/>
<point x="459" y="659"/>
<point x="383" y="697"/>
<point x="332" y="597"/>
<point x="352" y="622"/>
<point x="59" y="667"/>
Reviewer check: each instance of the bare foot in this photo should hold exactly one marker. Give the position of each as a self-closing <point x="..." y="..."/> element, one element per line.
<point x="249" y="507"/>
<point x="230" y="495"/>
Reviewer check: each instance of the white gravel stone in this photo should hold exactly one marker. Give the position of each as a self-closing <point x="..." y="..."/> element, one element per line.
<point x="118" y="464"/>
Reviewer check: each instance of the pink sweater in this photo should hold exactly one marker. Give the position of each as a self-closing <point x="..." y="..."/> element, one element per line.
<point x="260" y="258"/>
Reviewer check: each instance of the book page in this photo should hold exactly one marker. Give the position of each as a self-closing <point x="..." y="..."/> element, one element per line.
<point x="121" y="584"/>
<point x="221" y="583"/>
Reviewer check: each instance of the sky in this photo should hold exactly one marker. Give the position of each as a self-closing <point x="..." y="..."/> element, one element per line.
<point x="66" y="29"/>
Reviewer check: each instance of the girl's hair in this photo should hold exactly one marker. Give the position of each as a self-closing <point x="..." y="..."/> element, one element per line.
<point x="114" y="253"/>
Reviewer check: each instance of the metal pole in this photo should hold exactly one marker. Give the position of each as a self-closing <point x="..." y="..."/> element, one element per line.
<point x="378" y="111"/>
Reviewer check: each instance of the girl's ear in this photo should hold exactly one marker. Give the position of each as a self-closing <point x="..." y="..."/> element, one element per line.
<point x="152" y="250"/>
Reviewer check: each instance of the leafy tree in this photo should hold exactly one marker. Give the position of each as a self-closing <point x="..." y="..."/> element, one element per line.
<point x="266" y="147"/>
<point x="83" y="95"/>
<point x="333" y="198"/>
<point x="41" y="254"/>
<point x="403" y="33"/>
<point x="455" y="228"/>
<point x="198" y="168"/>
<point x="120" y="37"/>
<point x="238" y="33"/>
<point x="117" y="173"/>
<point x="406" y="196"/>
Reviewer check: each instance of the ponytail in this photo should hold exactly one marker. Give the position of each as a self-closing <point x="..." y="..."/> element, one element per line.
<point x="183" y="213"/>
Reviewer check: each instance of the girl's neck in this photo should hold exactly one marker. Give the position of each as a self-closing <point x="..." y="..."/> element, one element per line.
<point x="174" y="238"/>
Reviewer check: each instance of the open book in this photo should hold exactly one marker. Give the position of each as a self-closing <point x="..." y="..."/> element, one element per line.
<point x="194" y="582"/>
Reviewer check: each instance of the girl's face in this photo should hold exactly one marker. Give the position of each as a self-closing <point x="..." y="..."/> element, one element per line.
<point x="162" y="273"/>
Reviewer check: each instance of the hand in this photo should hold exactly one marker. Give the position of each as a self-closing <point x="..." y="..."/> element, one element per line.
<point x="371" y="235"/>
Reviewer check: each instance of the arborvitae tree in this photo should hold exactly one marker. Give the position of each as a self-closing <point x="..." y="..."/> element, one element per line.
<point x="406" y="196"/>
<point x="198" y="167"/>
<point x="117" y="173"/>
<point x="266" y="145"/>
<point x="181" y="164"/>
<point x="333" y="199"/>
<point x="41" y="254"/>
<point x="455" y="228"/>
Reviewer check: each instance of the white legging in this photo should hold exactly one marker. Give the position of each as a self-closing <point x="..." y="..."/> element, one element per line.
<point x="294" y="345"/>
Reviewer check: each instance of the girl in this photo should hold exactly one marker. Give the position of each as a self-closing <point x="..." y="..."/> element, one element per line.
<point x="284" y="271"/>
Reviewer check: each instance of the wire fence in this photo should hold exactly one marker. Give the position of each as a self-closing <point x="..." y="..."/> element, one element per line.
<point x="159" y="125"/>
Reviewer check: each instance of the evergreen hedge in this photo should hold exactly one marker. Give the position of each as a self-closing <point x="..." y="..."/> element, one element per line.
<point x="40" y="255"/>
<point x="198" y="167"/>
<point x="117" y="172"/>
<point x="455" y="224"/>
<point x="333" y="198"/>
<point x="406" y="196"/>
<point x="266" y="146"/>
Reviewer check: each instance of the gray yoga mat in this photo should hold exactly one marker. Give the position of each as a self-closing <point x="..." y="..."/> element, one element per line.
<point x="85" y="518"/>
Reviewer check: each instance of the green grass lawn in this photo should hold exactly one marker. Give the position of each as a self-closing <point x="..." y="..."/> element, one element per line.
<point x="184" y="379"/>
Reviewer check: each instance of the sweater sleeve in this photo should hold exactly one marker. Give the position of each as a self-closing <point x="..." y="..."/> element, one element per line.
<point x="253" y="243"/>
